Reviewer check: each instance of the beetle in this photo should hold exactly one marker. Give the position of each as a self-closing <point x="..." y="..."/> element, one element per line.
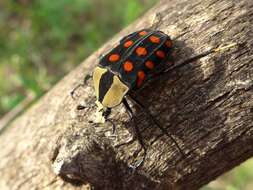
<point x="139" y="57"/>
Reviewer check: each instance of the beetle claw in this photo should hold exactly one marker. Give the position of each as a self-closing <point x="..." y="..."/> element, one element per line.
<point x="135" y="166"/>
<point x="140" y="162"/>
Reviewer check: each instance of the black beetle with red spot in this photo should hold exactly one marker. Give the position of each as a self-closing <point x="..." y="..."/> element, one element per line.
<point x="138" y="58"/>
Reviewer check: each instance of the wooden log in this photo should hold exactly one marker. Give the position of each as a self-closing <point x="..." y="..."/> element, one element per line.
<point x="207" y="106"/>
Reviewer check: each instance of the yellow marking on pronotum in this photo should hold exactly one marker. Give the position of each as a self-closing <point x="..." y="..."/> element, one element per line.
<point x="115" y="94"/>
<point x="98" y="72"/>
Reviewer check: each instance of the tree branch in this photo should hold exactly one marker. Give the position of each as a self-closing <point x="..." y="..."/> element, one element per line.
<point x="206" y="105"/>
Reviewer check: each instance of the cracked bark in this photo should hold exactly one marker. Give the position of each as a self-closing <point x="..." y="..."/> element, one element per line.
<point x="206" y="105"/>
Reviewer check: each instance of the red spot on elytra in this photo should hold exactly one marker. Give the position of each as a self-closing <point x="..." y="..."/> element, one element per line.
<point x="128" y="43"/>
<point x="114" y="57"/>
<point x="128" y="66"/>
<point x="160" y="54"/>
<point x="140" y="78"/>
<point x="149" y="64"/>
<point x="141" y="51"/>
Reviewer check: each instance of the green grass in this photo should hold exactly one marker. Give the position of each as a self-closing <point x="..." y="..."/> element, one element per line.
<point x="240" y="178"/>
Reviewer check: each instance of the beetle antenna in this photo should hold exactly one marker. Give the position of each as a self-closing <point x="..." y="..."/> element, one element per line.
<point x="157" y="123"/>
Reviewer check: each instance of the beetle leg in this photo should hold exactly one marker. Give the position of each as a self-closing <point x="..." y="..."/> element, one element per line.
<point x="86" y="78"/>
<point x="160" y="74"/>
<point x="72" y="93"/>
<point x="157" y="123"/>
<point x="73" y="90"/>
<point x="113" y="125"/>
<point x="196" y="57"/>
<point x="138" y="135"/>
<point x="105" y="114"/>
<point x="128" y="108"/>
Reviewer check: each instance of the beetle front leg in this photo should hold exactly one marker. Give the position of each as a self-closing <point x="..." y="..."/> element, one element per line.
<point x="86" y="78"/>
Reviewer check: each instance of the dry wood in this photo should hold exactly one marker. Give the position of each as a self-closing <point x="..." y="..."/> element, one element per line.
<point x="7" y="118"/>
<point x="207" y="106"/>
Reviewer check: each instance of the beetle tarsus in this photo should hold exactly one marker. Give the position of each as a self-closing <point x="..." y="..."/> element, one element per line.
<point x="139" y="163"/>
<point x="139" y="137"/>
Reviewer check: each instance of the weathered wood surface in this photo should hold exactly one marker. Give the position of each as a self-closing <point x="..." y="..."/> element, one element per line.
<point x="207" y="106"/>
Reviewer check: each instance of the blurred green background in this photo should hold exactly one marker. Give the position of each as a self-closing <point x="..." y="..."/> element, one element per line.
<point x="42" y="40"/>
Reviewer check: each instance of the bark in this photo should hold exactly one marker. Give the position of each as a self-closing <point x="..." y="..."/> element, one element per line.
<point x="206" y="105"/>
